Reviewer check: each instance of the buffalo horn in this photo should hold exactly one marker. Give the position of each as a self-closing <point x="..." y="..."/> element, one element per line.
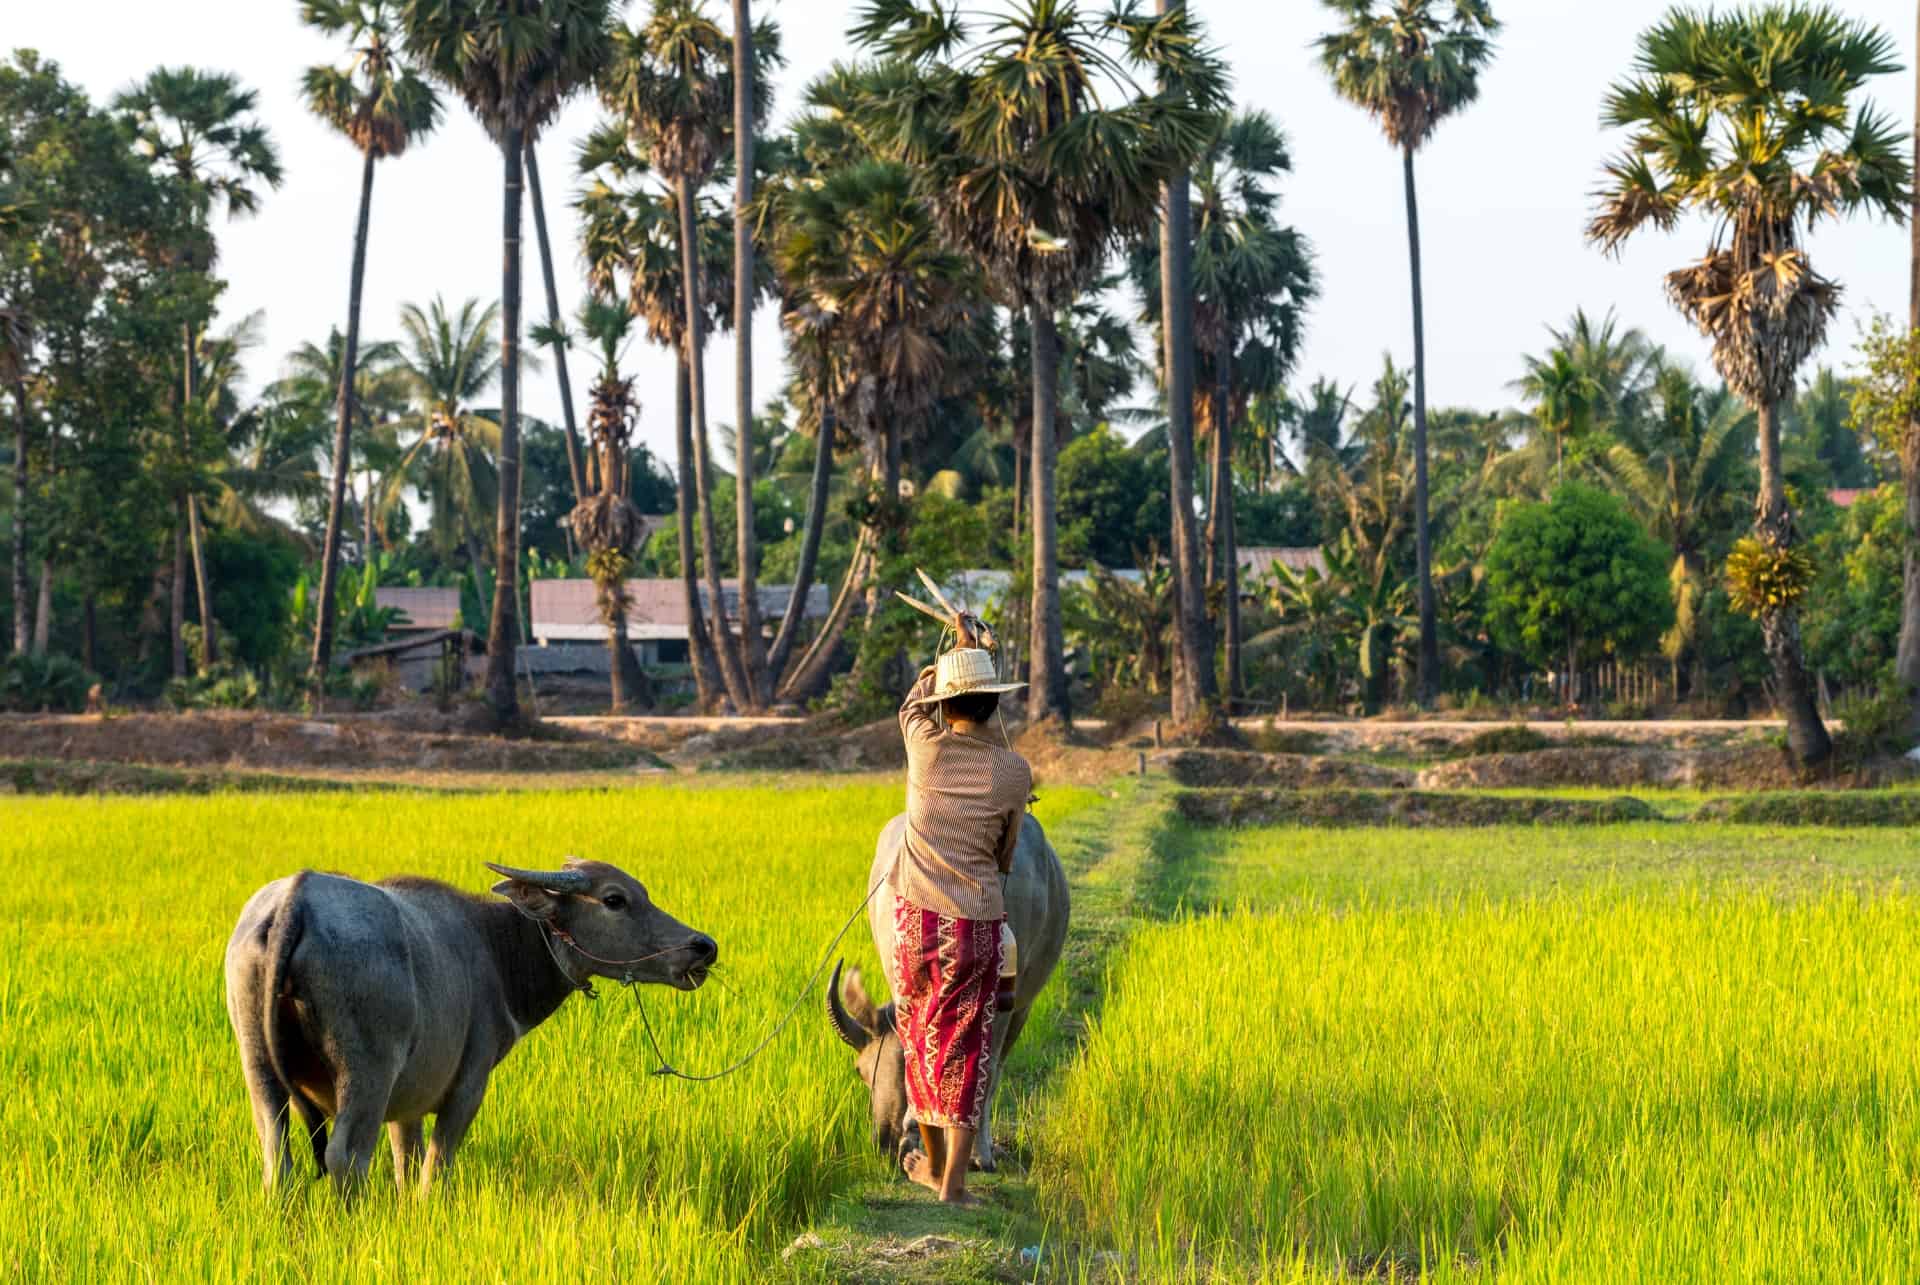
<point x="560" y="881"/>
<point x="844" y="1026"/>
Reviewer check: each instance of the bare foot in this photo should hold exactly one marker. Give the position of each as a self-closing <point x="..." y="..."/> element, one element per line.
<point x="920" y="1169"/>
<point x="963" y="1198"/>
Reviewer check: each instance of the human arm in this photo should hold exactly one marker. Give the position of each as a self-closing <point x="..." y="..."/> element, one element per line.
<point x="916" y="720"/>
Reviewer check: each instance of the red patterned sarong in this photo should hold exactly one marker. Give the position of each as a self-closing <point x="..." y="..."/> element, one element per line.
<point x="949" y="970"/>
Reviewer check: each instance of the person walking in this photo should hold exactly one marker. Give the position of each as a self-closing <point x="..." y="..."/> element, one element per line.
<point x="966" y="800"/>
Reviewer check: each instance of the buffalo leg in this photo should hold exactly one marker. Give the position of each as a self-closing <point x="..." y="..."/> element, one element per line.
<point x="270" y="1107"/>
<point x="408" y="1139"/>
<point x="316" y="1123"/>
<point x="356" y="1127"/>
<point x="451" y="1122"/>
<point x="1003" y="1037"/>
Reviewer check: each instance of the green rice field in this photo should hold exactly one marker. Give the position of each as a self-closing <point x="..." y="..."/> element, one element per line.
<point x="1634" y="1053"/>
<point x="130" y="1153"/>
<point x="1650" y="1052"/>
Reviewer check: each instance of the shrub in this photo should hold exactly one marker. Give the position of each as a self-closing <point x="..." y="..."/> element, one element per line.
<point x="33" y="684"/>
<point x="1875" y="721"/>
<point x="1515" y="739"/>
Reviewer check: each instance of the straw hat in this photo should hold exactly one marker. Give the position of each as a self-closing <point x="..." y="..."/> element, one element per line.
<point x="963" y="672"/>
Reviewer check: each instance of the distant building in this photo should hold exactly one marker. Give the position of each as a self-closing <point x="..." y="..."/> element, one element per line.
<point x="1257" y="562"/>
<point x="568" y="612"/>
<point x="1844" y="496"/>
<point x="421" y="610"/>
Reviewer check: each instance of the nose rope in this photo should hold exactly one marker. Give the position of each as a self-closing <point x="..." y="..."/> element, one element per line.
<point x="668" y="1069"/>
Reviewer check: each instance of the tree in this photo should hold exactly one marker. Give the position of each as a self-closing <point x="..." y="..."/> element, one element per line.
<point x="1032" y="175"/>
<point x="1576" y="579"/>
<point x="448" y="362"/>
<point x="606" y="523"/>
<point x="1252" y="279"/>
<point x="1886" y="409"/>
<point x="198" y="128"/>
<point x="1119" y="509"/>
<point x="1744" y="117"/>
<point x="672" y="84"/>
<point x="1410" y="67"/>
<point x="515" y="62"/>
<point x="383" y="106"/>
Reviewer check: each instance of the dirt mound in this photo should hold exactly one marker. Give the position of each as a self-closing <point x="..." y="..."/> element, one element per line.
<point x="1820" y="807"/>
<point x="1746" y="767"/>
<point x="253" y="740"/>
<point x="1336" y="808"/>
<point x="821" y="745"/>
<point x="44" y="776"/>
<point x="1287" y="771"/>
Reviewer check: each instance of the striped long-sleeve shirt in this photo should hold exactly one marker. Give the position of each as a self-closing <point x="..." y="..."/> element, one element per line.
<point x="966" y="800"/>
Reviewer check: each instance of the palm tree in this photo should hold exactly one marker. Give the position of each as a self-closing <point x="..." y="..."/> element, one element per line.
<point x="630" y="226"/>
<point x="1906" y="663"/>
<point x="1682" y="468"/>
<point x="1032" y="175"/>
<point x="671" y="81"/>
<point x="448" y="361"/>
<point x="515" y="62"/>
<point x="1563" y="395"/>
<point x="198" y="128"/>
<point x="895" y="299"/>
<point x="380" y="393"/>
<point x="1252" y="279"/>
<point x="383" y="106"/>
<point x="16" y="347"/>
<point x="269" y="453"/>
<point x="1410" y="66"/>
<point x="1743" y="117"/>
<point x="606" y="523"/>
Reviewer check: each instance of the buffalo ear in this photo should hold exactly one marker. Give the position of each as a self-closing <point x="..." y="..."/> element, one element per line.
<point x="530" y="899"/>
<point x="859" y="1005"/>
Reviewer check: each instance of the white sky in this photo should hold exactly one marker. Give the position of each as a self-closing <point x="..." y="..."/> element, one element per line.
<point x="1503" y="191"/>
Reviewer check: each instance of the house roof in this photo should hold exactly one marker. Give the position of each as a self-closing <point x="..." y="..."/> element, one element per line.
<point x="1844" y="496"/>
<point x="421" y="608"/>
<point x="431" y="640"/>
<point x="1258" y="561"/>
<point x="569" y="610"/>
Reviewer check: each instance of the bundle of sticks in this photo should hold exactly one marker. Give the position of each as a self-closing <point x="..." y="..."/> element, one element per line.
<point x="968" y="629"/>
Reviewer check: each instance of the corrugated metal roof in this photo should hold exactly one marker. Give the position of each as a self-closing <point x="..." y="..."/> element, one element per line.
<point x="1259" y="561"/>
<point x="422" y="608"/>
<point x="567" y="610"/>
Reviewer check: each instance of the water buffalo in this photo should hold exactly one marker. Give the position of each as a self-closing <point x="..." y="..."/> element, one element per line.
<point x="392" y="1001"/>
<point x="1037" y="911"/>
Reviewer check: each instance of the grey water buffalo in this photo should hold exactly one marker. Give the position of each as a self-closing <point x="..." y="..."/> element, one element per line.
<point x="372" y="1003"/>
<point x="1037" y="911"/>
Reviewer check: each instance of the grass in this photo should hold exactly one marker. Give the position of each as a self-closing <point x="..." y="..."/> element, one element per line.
<point x="130" y="1153"/>
<point x="1634" y="1053"/>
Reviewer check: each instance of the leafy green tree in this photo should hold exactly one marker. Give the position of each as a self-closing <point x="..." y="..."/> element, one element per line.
<point x="199" y="129"/>
<point x="515" y="63"/>
<point x="1118" y="505"/>
<point x="1886" y="410"/>
<point x="1410" y="65"/>
<point x="1033" y="174"/>
<point x="383" y="106"/>
<point x="1575" y="579"/>
<point x="1745" y="116"/>
<point x="1854" y="607"/>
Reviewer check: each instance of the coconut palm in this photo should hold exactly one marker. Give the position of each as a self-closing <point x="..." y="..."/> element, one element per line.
<point x="1036" y="177"/>
<point x="448" y="361"/>
<point x="515" y="62"/>
<point x="1564" y="398"/>
<point x="383" y="106"/>
<point x="1410" y="64"/>
<point x="630" y="228"/>
<point x="380" y="397"/>
<point x="1744" y="116"/>
<point x="605" y="523"/>
<point x="199" y="129"/>
<point x="672" y="82"/>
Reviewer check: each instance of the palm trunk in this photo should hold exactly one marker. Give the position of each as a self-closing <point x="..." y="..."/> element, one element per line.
<point x="706" y="678"/>
<point x="1429" y="666"/>
<point x="757" y="679"/>
<point x="1194" y="691"/>
<point x="342" y="436"/>
<point x="43" y="610"/>
<point x="20" y="622"/>
<point x="503" y="698"/>
<point x="1906" y="662"/>
<point x="809" y="545"/>
<point x="574" y="467"/>
<point x="729" y="659"/>
<point x="1047" y="695"/>
<point x="177" y="591"/>
<point x="810" y="671"/>
<point x="1780" y="628"/>
<point x="1229" y="543"/>
<point x="89" y="632"/>
<point x="196" y="541"/>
